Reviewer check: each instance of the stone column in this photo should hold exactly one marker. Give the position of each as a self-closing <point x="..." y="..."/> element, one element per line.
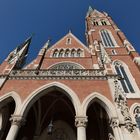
<point x="16" y="122"/>
<point x="115" y="127"/>
<point x="80" y="123"/>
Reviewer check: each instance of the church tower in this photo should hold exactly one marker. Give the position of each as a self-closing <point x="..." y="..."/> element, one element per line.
<point x="73" y="91"/>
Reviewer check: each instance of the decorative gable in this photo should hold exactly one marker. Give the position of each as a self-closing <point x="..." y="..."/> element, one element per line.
<point x="69" y="46"/>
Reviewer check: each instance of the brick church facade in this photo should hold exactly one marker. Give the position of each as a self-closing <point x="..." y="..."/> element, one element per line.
<point x="73" y="91"/>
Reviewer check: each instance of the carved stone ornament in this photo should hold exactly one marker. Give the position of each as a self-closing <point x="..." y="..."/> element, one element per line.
<point x="66" y="66"/>
<point x="17" y="120"/>
<point x="81" y="121"/>
<point x="121" y="102"/>
<point x="129" y="126"/>
<point x="111" y="137"/>
<point x="60" y="74"/>
<point x="92" y="49"/>
<point x="114" y="122"/>
<point x="137" y="115"/>
<point x="137" y="112"/>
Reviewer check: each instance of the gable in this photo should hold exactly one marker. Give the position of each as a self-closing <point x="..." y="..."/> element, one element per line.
<point x="68" y="43"/>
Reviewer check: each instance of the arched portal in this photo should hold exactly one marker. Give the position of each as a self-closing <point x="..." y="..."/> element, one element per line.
<point x="98" y="127"/>
<point x="50" y="117"/>
<point x="100" y="112"/>
<point x="7" y="108"/>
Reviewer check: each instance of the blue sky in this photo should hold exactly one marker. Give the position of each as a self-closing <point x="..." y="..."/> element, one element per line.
<point x="53" y="18"/>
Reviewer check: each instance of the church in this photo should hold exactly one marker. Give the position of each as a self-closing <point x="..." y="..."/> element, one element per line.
<point x="71" y="90"/>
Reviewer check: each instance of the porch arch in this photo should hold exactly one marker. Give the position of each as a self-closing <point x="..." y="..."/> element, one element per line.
<point x="102" y="100"/>
<point x="9" y="104"/>
<point x="13" y="95"/>
<point x="100" y="112"/>
<point x="35" y="95"/>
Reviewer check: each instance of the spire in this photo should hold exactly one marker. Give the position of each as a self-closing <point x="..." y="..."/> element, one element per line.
<point x="93" y="12"/>
<point x="47" y="44"/>
<point x="45" y="47"/>
<point x="70" y="31"/>
<point x="104" y="55"/>
<point x="90" y="10"/>
<point x="18" y="56"/>
<point x="23" y="48"/>
<point x="42" y="53"/>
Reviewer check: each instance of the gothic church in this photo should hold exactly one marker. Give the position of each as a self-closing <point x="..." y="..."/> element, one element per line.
<point x="73" y="91"/>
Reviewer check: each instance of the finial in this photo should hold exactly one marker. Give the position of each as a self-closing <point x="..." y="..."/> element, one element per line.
<point x="30" y="37"/>
<point x="90" y="9"/>
<point x="47" y="44"/>
<point x="69" y="30"/>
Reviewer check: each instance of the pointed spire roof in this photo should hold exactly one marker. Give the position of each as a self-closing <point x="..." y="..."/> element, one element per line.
<point x="94" y="12"/>
<point x="42" y="54"/>
<point x="25" y="44"/>
<point x="70" y="31"/>
<point x="18" y="56"/>
<point x="90" y="10"/>
<point x="23" y="52"/>
<point x="47" y="44"/>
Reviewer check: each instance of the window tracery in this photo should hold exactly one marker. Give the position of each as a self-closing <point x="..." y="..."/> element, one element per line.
<point x="107" y="38"/>
<point x="66" y="66"/>
<point x="125" y="81"/>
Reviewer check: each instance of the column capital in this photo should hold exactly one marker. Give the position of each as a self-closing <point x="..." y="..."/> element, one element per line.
<point x="17" y="120"/>
<point x="81" y="121"/>
<point x="114" y="122"/>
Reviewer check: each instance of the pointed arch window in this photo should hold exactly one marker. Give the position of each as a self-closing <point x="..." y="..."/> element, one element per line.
<point x="79" y="53"/>
<point x="73" y="52"/>
<point x="61" y="53"/>
<point x="125" y="81"/>
<point x="55" y="54"/>
<point x="107" y="38"/>
<point x="95" y="23"/>
<point x="103" y="22"/>
<point x="113" y="52"/>
<point x="67" y="53"/>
